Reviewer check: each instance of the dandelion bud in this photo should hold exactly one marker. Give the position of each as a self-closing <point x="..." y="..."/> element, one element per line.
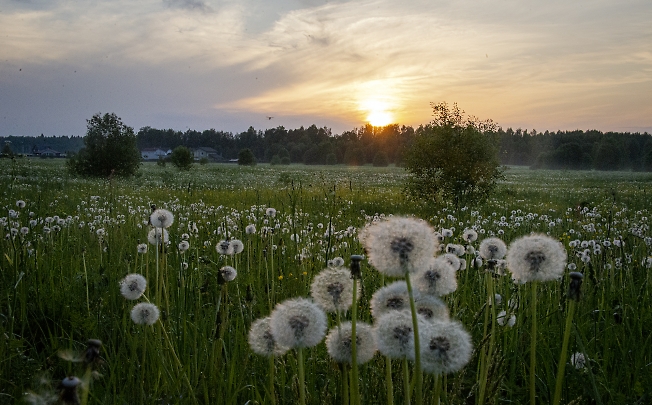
<point x="575" y="285"/>
<point x="356" y="271"/>
<point x="68" y="394"/>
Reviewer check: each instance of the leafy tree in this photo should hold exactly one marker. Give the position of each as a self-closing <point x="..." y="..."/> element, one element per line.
<point x="110" y="148"/>
<point x="246" y="157"/>
<point x="6" y="150"/>
<point x="285" y="160"/>
<point x="182" y="158"/>
<point x="381" y="159"/>
<point x="276" y="160"/>
<point x="453" y="157"/>
<point x="354" y="156"/>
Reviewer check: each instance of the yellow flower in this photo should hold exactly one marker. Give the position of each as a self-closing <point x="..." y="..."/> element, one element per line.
<point x="305" y="273"/>
<point x="280" y="277"/>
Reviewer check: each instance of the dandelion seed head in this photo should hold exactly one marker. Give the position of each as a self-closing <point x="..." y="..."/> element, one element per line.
<point x="142" y="248"/>
<point x="228" y="273"/>
<point x="578" y="360"/>
<point x="446" y="347"/>
<point x="157" y="236"/>
<point x="399" y="245"/>
<point x="250" y="229"/>
<point x="392" y="297"/>
<point x="297" y="323"/>
<point x="261" y="339"/>
<point x="470" y="235"/>
<point x="395" y="334"/>
<point x="145" y="314"/>
<point x="224" y="247"/>
<point x="492" y="249"/>
<point x="536" y="258"/>
<point x="237" y="245"/>
<point x="184" y="245"/>
<point x="431" y="308"/>
<point x="161" y="218"/>
<point x="339" y="340"/>
<point x="332" y="289"/>
<point x="437" y="278"/>
<point x="133" y="286"/>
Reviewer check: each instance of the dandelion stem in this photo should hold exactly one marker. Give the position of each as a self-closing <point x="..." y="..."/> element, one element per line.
<point x="388" y="381"/>
<point x="272" y="395"/>
<point x="533" y="346"/>
<point x="406" y="382"/>
<point x="355" y="393"/>
<point x="302" y="378"/>
<point x="88" y="307"/>
<point x="564" y="349"/>
<point x="437" y="389"/>
<point x="417" y="351"/>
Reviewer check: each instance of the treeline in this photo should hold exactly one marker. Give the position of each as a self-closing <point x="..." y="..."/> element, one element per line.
<point x="380" y="146"/>
<point x="312" y="145"/>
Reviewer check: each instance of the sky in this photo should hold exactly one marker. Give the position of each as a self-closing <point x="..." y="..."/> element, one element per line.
<point x="229" y="65"/>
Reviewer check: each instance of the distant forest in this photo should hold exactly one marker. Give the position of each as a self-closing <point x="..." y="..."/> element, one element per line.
<point x="384" y="145"/>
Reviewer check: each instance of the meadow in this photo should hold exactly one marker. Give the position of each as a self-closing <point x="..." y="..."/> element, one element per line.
<point x="70" y="244"/>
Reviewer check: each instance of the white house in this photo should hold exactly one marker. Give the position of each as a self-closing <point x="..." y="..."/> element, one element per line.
<point x="206" y="152"/>
<point x="154" y="153"/>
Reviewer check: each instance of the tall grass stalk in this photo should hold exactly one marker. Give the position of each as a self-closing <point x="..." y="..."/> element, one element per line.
<point x="561" y="366"/>
<point x="533" y="344"/>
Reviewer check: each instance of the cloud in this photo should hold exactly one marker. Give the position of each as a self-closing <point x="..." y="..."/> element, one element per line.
<point x="190" y="5"/>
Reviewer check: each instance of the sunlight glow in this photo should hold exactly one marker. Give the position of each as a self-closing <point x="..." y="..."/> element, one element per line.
<point x="378" y="112"/>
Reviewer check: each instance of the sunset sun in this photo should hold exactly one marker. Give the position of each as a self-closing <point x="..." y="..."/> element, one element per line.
<point x="378" y="112"/>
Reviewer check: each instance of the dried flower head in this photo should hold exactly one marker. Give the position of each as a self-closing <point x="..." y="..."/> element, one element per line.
<point x="133" y="286"/>
<point x="431" y="308"/>
<point x="145" y="314"/>
<point x="161" y="218"/>
<point x="262" y="341"/>
<point x="338" y="343"/>
<point x="446" y="347"/>
<point x="492" y="249"/>
<point x="536" y="258"/>
<point x="332" y="289"/>
<point x="437" y="278"/>
<point x="157" y="236"/>
<point x="399" y="245"/>
<point x="298" y="323"/>
<point x="392" y="297"/>
<point x="395" y="334"/>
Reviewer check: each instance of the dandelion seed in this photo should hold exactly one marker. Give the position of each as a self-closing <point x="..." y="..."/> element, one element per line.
<point x="437" y="278"/>
<point x="399" y="245"/>
<point x="395" y="334"/>
<point x="492" y="249"/>
<point x="228" y="273"/>
<point x="332" y="289"/>
<point x="578" y="360"/>
<point x="224" y="247"/>
<point x="431" y="308"/>
<point x="156" y="237"/>
<point x="392" y="297"/>
<point x="446" y="347"/>
<point x="262" y="341"/>
<point x="145" y="314"/>
<point x="536" y="258"/>
<point x="133" y="286"/>
<point x="161" y="218"/>
<point x="338" y="343"/>
<point x="298" y="323"/>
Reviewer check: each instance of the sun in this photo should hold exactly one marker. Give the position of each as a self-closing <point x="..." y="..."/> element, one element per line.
<point x="378" y="112"/>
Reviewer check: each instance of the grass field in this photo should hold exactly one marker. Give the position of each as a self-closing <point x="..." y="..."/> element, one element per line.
<point x="69" y="247"/>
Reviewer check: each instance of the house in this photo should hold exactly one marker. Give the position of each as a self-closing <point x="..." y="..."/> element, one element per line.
<point x="48" y="152"/>
<point x="154" y="153"/>
<point x="208" y="153"/>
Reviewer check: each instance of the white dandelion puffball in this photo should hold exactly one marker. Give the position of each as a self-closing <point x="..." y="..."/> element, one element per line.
<point x="492" y="249"/>
<point x="154" y="236"/>
<point x="399" y="245"/>
<point x="470" y="235"/>
<point x="336" y="262"/>
<point x="437" y="278"/>
<point x="142" y="248"/>
<point x="536" y="258"/>
<point x="503" y="320"/>
<point x="133" y="286"/>
<point x="578" y="360"/>
<point x="237" y="245"/>
<point x="250" y="229"/>
<point x="270" y="212"/>
<point x="338" y="343"/>
<point x="453" y="260"/>
<point x="332" y="289"/>
<point x="145" y="314"/>
<point x="262" y="341"/>
<point x="224" y="247"/>
<point x="161" y="218"/>
<point x="298" y="323"/>
<point x="445" y="347"/>
<point x="431" y="308"/>
<point x="392" y="297"/>
<point x="395" y="334"/>
<point x="228" y="273"/>
<point x="184" y="245"/>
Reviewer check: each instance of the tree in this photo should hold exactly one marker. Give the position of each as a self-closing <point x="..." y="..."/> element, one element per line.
<point x="110" y="148"/>
<point x="246" y="157"/>
<point x="6" y="150"/>
<point x="453" y="157"/>
<point x="182" y="158"/>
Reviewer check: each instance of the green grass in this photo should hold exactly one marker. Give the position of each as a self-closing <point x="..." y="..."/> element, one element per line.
<point x="50" y="301"/>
